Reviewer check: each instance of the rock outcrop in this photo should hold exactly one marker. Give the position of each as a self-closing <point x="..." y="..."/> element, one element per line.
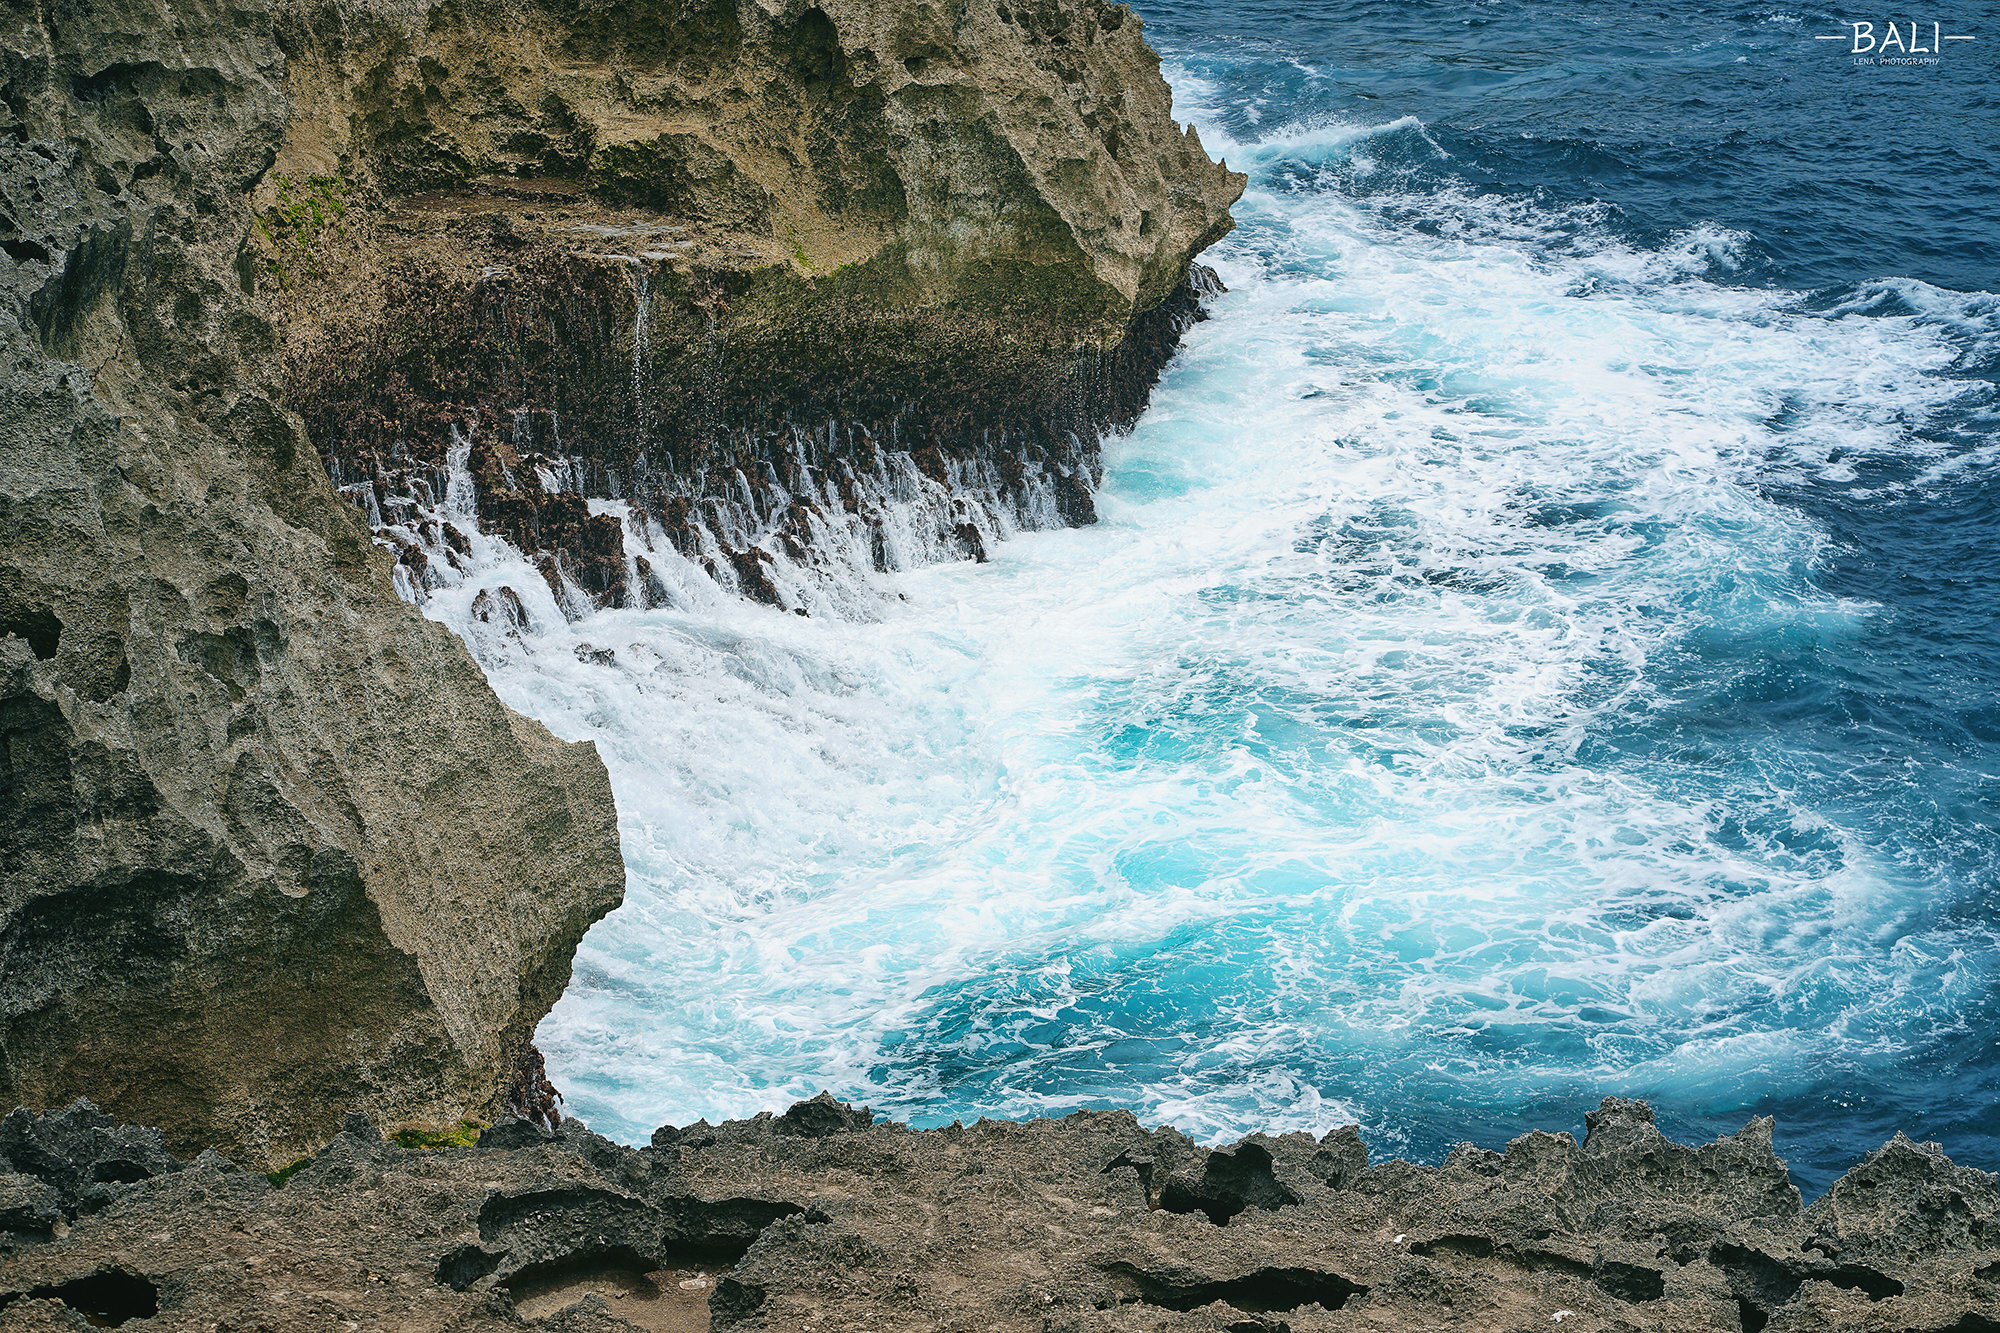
<point x="780" y="292"/>
<point x="270" y="849"/>
<point x="820" y="1219"/>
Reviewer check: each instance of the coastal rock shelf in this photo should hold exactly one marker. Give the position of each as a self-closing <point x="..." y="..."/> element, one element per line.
<point x="821" y="1219"/>
<point x="789" y="293"/>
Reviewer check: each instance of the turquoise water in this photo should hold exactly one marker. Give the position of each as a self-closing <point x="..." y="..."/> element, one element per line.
<point x="1541" y="644"/>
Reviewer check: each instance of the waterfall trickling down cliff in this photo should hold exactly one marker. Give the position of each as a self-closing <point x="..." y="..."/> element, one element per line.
<point x="812" y="540"/>
<point x="803" y="514"/>
<point x="642" y="340"/>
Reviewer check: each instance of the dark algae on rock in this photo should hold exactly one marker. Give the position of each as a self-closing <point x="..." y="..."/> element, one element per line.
<point x="270" y="848"/>
<point x="822" y="1219"/>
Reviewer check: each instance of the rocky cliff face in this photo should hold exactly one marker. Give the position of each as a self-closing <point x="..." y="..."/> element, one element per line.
<point x="778" y="292"/>
<point x="818" y="1219"/>
<point x="775" y="291"/>
<point x="757" y="288"/>
<point x="269" y="847"/>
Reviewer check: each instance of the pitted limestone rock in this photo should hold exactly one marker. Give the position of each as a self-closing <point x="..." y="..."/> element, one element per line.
<point x="1021" y="1227"/>
<point x="270" y="848"/>
<point x="1907" y="1198"/>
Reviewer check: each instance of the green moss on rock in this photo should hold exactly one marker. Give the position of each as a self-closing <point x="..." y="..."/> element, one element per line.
<point x="462" y="1135"/>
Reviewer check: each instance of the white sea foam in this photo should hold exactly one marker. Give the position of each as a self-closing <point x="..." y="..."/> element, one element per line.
<point x="1295" y="786"/>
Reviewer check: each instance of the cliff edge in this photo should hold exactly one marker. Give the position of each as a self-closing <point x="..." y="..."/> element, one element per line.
<point x="297" y="298"/>
<point x="820" y="1219"/>
<point x="270" y="849"/>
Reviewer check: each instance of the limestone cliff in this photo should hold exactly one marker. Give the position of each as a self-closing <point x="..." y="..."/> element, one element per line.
<point x="800" y="286"/>
<point x="735" y="284"/>
<point x="270" y="849"/>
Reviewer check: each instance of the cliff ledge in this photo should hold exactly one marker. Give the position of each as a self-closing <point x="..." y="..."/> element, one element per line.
<point x="301" y="298"/>
<point x="775" y="295"/>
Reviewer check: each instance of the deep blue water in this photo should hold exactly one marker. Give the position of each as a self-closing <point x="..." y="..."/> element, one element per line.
<point x="1543" y="642"/>
<point x="1672" y="116"/>
<point x="1869" y="190"/>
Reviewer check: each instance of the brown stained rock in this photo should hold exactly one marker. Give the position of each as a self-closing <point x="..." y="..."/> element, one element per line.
<point x="532" y="1097"/>
<point x="753" y="577"/>
<point x="819" y="1218"/>
<point x="270" y="848"/>
<point x="501" y="607"/>
<point x="534" y="519"/>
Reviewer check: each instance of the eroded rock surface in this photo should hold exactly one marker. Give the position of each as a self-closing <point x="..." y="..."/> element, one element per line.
<point x="818" y="1219"/>
<point x="270" y="849"/>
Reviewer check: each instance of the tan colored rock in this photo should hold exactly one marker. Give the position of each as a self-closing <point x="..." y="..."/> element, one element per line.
<point x="953" y="151"/>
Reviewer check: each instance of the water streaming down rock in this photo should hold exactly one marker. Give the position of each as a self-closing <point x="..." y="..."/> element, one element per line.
<point x="808" y="539"/>
<point x="797" y="514"/>
<point x="642" y="311"/>
<point x="793" y="367"/>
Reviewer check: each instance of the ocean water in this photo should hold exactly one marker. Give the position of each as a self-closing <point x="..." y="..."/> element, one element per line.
<point x="1543" y="642"/>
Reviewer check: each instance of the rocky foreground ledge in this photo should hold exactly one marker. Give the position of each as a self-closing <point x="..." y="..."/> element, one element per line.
<point x="819" y="1219"/>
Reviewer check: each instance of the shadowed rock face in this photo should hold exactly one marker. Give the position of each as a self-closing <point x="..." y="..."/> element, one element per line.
<point x="270" y="849"/>
<point x="819" y="1218"/>
<point x="760" y="270"/>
